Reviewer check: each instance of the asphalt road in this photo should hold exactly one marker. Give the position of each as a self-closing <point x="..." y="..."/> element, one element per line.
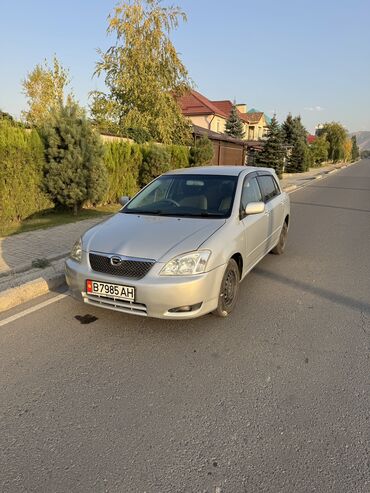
<point x="273" y="399"/>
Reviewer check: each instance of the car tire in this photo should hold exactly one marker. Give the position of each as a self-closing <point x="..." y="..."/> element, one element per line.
<point x="229" y="290"/>
<point x="280" y="247"/>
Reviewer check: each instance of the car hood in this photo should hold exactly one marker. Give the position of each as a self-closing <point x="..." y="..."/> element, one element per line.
<point x="153" y="237"/>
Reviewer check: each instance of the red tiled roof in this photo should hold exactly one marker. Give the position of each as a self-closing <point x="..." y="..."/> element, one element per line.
<point x="194" y="103"/>
<point x="224" y="107"/>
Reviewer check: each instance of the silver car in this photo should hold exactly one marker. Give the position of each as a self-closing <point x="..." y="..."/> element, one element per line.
<point x="181" y="246"/>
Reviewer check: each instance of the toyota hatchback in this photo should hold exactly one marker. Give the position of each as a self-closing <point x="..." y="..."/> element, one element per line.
<point x="181" y="246"/>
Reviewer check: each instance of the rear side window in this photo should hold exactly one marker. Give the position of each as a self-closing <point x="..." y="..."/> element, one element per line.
<point x="269" y="187"/>
<point x="251" y="192"/>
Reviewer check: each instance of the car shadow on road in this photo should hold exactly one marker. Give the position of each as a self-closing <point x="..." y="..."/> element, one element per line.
<point x="315" y="290"/>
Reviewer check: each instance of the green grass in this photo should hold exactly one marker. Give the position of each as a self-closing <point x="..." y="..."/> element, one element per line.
<point x="54" y="217"/>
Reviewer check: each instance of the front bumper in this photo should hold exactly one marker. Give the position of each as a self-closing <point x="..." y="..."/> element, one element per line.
<point x="155" y="294"/>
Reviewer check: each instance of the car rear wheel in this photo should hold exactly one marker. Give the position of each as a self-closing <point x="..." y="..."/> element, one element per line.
<point x="229" y="290"/>
<point x="280" y="247"/>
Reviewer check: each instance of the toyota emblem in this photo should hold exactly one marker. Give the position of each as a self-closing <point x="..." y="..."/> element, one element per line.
<point x="115" y="261"/>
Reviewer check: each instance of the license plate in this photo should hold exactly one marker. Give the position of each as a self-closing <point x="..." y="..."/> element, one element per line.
<point x="110" y="290"/>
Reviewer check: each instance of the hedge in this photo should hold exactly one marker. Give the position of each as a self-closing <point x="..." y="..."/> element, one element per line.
<point x="123" y="161"/>
<point x="22" y="168"/>
<point x="21" y="173"/>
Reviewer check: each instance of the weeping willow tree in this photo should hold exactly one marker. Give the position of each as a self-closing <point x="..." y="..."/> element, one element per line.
<point x="143" y="73"/>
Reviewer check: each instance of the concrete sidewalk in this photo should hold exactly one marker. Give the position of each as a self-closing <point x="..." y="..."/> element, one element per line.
<point x="17" y="252"/>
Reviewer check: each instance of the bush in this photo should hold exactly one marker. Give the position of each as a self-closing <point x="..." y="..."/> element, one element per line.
<point x="156" y="160"/>
<point x="179" y="156"/>
<point x="123" y="161"/>
<point x="21" y="169"/>
<point x="74" y="169"/>
<point x="201" y="153"/>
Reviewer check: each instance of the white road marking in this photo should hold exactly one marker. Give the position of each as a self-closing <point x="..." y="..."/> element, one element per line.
<point x="32" y="309"/>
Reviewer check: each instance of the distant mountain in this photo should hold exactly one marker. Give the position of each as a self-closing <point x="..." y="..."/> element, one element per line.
<point x="363" y="140"/>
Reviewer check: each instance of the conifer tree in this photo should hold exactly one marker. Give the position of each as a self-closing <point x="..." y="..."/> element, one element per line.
<point x="272" y="155"/>
<point x="287" y="129"/>
<point x="355" y="149"/>
<point x="74" y="170"/>
<point x="300" y="157"/>
<point x="234" y="124"/>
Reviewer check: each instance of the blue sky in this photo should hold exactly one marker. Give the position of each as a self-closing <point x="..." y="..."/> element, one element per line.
<point x="307" y="57"/>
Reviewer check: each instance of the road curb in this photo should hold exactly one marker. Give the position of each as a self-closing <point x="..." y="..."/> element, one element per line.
<point x="290" y="188"/>
<point x="294" y="188"/>
<point x="25" y="292"/>
<point x="27" y="266"/>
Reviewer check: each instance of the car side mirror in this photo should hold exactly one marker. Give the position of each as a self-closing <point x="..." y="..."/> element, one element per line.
<point x="254" y="208"/>
<point x="124" y="200"/>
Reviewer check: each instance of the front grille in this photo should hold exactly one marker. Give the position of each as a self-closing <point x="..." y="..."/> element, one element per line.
<point x="131" y="268"/>
<point x="115" y="304"/>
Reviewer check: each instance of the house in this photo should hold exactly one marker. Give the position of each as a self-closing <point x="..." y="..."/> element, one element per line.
<point x="212" y="115"/>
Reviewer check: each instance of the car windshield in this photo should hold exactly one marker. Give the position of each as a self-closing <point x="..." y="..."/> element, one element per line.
<point x="186" y="195"/>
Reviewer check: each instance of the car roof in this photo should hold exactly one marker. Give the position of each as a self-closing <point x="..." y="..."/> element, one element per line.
<point x="218" y="170"/>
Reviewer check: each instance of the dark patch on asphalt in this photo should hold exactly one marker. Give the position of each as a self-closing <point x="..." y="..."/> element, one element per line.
<point x="86" y="319"/>
<point x="214" y="464"/>
<point x="306" y="360"/>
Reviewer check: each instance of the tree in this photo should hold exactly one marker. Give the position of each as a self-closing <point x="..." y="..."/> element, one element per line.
<point x="300" y="157"/>
<point x="287" y="130"/>
<point x="272" y="155"/>
<point x="297" y="160"/>
<point x="74" y="170"/>
<point x="143" y="72"/>
<point x="336" y="135"/>
<point x="234" y="125"/>
<point x="299" y="131"/>
<point x="347" y="150"/>
<point x="45" y="89"/>
<point x="355" y="149"/>
<point x="319" y="149"/>
<point x="201" y="153"/>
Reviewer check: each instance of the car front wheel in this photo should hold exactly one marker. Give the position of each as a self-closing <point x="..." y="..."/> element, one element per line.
<point x="229" y="290"/>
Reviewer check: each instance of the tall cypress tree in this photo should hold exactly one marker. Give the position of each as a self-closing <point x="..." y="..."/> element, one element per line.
<point x="234" y="125"/>
<point x="355" y="149"/>
<point x="272" y="155"/>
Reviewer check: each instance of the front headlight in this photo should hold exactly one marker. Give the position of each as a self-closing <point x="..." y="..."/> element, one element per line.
<point x="187" y="265"/>
<point x="76" y="252"/>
